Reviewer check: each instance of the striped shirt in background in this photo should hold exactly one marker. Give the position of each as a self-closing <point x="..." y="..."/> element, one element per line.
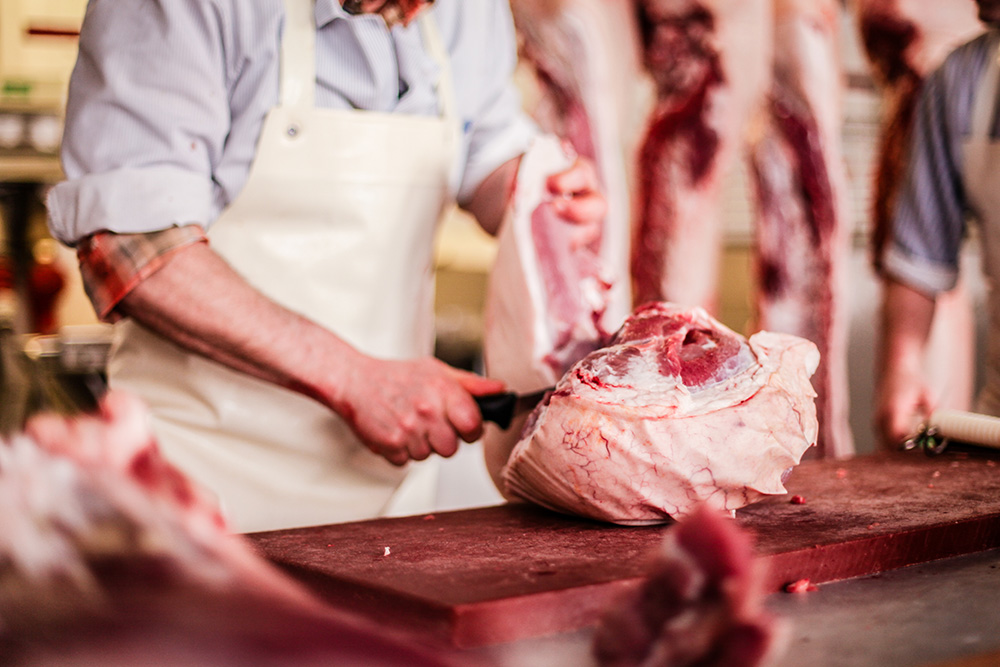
<point x="932" y="211"/>
<point x="168" y="99"/>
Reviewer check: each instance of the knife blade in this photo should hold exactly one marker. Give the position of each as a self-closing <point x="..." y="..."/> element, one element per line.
<point x="502" y="407"/>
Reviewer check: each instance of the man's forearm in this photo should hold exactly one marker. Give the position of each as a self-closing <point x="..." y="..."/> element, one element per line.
<point x="197" y="301"/>
<point x="490" y="201"/>
<point x="903" y="397"/>
<point x="401" y="409"/>
<point x="906" y="324"/>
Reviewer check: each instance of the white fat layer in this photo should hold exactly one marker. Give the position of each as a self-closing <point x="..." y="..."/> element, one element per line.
<point x="545" y="157"/>
<point x="641" y="386"/>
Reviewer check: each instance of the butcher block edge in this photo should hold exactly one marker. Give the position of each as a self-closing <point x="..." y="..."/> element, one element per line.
<point x="497" y="574"/>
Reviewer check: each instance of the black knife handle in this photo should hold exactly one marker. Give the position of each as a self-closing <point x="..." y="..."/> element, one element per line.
<point x="498" y="408"/>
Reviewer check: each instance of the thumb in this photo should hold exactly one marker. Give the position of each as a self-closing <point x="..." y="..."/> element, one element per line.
<point x="477" y="385"/>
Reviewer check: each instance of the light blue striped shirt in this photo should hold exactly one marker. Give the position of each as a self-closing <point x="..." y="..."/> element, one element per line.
<point x="168" y="97"/>
<point x="929" y="225"/>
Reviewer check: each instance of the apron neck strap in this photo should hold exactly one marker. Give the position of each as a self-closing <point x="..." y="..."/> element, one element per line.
<point x="984" y="106"/>
<point x="298" y="54"/>
<point x="298" y="58"/>
<point x="435" y="47"/>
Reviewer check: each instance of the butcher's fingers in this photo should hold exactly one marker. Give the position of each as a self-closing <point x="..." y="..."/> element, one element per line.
<point x="409" y="410"/>
<point x="397" y="457"/>
<point x="477" y="385"/>
<point x="580" y="177"/>
<point x="419" y="448"/>
<point x="442" y="440"/>
<point x="578" y="195"/>
<point x="463" y="413"/>
<point x="416" y="440"/>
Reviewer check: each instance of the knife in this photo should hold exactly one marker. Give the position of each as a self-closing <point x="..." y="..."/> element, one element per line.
<point x="945" y="425"/>
<point x="501" y="408"/>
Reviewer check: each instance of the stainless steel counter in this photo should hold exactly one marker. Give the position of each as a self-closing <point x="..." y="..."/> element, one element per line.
<point x="917" y="616"/>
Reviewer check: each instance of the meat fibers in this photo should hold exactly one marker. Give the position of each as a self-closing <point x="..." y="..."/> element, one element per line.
<point x="677" y="411"/>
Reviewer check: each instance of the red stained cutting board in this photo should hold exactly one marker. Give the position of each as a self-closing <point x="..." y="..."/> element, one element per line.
<point x="497" y="574"/>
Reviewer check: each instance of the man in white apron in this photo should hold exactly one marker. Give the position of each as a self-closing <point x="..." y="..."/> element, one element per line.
<point x="954" y="170"/>
<point x="286" y="361"/>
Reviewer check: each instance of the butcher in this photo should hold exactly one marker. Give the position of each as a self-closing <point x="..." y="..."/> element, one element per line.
<point x="953" y="170"/>
<point x="252" y="191"/>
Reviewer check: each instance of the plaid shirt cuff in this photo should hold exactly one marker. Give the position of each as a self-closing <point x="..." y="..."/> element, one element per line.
<point x="112" y="265"/>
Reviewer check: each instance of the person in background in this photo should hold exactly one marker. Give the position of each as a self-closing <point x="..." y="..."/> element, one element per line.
<point x="954" y="171"/>
<point x="253" y="190"/>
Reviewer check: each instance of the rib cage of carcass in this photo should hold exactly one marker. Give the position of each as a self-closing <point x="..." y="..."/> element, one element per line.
<point x="802" y="222"/>
<point x="709" y="65"/>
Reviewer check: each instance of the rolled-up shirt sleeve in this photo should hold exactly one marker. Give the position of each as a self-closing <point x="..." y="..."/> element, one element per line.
<point x="498" y="130"/>
<point x="147" y="119"/>
<point x="929" y="225"/>
<point x="112" y="265"/>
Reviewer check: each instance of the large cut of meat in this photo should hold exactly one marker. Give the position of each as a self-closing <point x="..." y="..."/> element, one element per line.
<point x="676" y="411"/>
<point x="803" y="222"/>
<point x="701" y="603"/>
<point x="709" y="61"/>
<point x="547" y="294"/>
<point x="109" y="556"/>
<point x="584" y="58"/>
<point x="905" y="40"/>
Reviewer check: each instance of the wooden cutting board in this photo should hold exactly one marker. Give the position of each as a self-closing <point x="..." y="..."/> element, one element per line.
<point x="498" y="574"/>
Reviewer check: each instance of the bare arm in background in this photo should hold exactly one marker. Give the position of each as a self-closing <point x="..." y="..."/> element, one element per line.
<point x="903" y="397"/>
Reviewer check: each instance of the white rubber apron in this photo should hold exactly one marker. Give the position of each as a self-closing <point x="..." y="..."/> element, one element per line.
<point x="981" y="167"/>
<point x="336" y="222"/>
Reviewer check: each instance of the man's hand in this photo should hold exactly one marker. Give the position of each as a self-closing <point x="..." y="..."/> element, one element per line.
<point x="576" y="189"/>
<point x="904" y="401"/>
<point x="579" y="199"/>
<point x="903" y="398"/>
<point x="408" y="410"/>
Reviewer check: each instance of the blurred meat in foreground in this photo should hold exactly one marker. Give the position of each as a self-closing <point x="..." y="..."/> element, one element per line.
<point x="702" y="604"/>
<point x="110" y="556"/>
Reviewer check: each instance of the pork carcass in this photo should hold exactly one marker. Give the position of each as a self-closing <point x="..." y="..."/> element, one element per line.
<point x="701" y="603"/>
<point x="709" y="60"/>
<point x="584" y="59"/>
<point x="676" y="411"/>
<point x="547" y="294"/>
<point x="802" y="223"/>
<point x="109" y="556"/>
<point x="905" y="40"/>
